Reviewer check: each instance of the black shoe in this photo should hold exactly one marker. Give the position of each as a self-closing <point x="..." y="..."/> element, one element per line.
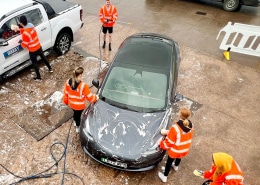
<point x="109" y="47"/>
<point x="50" y="71"/>
<point x="37" y="79"/>
<point x="104" y="45"/>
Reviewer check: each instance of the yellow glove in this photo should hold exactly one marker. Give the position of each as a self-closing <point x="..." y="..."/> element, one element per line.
<point x="199" y="173"/>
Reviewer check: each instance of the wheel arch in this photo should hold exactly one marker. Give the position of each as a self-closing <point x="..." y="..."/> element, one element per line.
<point x="240" y="1"/>
<point x="58" y="46"/>
<point x="65" y="30"/>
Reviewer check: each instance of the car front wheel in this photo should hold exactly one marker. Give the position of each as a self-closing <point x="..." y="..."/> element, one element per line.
<point x="231" y="5"/>
<point x="63" y="43"/>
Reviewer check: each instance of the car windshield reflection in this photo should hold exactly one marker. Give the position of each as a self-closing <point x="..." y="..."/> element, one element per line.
<point x="136" y="88"/>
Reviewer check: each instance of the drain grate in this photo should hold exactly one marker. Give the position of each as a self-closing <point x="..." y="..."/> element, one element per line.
<point x="201" y="13"/>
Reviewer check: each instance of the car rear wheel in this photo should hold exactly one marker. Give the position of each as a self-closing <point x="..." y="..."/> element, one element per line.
<point x="231" y="5"/>
<point x="63" y="43"/>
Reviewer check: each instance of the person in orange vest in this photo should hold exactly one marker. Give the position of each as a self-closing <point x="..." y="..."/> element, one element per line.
<point x="224" y="171"/>
<point x="75" y="95"/>
<point x="177" y="142"/>
<point x="108" y="15"/>
<point x="31" y="41"/>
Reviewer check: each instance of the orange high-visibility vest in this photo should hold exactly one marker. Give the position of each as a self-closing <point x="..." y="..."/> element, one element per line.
<point x="30" y="39"/>
<point x="110" y="14"/>
<point x="76" y="98"/>
<point x="232" y="177"/>
<point x="177" y="142"/>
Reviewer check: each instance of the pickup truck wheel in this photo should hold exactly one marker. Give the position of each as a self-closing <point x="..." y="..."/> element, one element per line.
<point x="231" y="5"/>
<point x="63" y="43"/>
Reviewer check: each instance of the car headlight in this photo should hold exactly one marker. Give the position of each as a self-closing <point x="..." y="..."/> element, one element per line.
<point x="154" y="149"/>
<point x="86" y="130"/>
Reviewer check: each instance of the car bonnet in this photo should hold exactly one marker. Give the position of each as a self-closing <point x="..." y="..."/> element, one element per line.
<point x="120" y="131"/>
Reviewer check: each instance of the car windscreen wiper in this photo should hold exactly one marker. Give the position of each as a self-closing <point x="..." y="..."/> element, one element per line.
<point x="113" y="103"/>
<point x="155" y="110"/>
<point x="107" y="101"/>
<point x="123" y="106"/>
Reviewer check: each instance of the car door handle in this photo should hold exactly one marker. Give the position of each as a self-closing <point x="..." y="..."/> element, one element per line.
<point x="43" y="28"/>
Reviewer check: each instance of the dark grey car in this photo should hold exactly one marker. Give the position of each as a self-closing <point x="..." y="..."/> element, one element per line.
<point x="235" y="5"/>
<point x="122" y="128"/>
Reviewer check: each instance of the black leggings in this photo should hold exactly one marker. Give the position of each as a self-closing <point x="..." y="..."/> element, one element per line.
<point x="169" y="164"/>
<point x="77" y="116"/>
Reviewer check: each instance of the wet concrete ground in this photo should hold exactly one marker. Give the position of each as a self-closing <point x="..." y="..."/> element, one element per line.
<point x="229" y="94"/>
<point x="182" y="20"/>
<point x="227" y="121"/>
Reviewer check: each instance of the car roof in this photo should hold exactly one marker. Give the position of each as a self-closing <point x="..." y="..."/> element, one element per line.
<point x="15" y="5"/>
<point x="151" y="50"/>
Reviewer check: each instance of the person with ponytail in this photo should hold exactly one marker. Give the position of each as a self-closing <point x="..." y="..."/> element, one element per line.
<point x="75" y="95"/>
<point x="177" y="142"/>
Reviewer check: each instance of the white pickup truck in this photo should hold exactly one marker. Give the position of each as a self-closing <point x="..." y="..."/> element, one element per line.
<point x="56" y="22"/>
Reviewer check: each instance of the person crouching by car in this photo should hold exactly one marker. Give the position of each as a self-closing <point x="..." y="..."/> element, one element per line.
<point x="177" y="142"/>
<point x="76" y="93"/>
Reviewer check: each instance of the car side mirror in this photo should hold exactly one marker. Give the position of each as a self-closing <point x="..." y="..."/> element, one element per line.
<point x="3" y="42"/>
<point x="178" y="97"/>
<point x="95" y="82"/>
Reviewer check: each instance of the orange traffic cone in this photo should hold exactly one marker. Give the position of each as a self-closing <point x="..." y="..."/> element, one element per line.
<point x="227" y="54"/>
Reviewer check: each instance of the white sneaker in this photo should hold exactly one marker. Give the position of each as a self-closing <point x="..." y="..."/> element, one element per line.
<point x="37" y="79"/>
<point x="74" y="123"/>
<point x="162" y="177"/>
<point x="176" y="168"/>
<point x="77" y="129"/>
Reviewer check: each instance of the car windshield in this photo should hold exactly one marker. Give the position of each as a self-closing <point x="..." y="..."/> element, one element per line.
<point x="143" y="89"/>
<point x="139" y="77"/>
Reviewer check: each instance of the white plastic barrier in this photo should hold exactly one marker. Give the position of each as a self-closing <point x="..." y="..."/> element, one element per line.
<point x="241" y="38"/>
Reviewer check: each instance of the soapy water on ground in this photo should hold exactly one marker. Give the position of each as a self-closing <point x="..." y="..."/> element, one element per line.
<point x="22" y="154"/>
